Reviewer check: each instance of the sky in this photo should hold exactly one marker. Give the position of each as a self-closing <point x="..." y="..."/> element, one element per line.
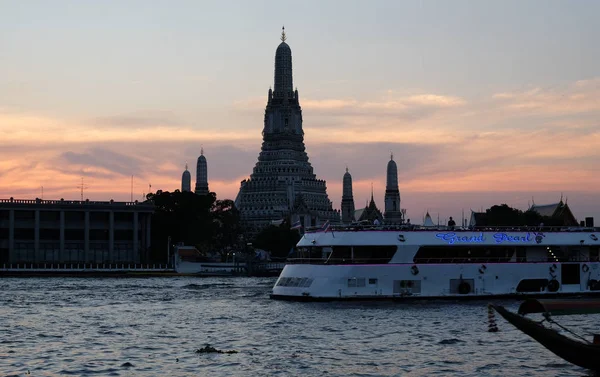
<point x="480" y="102"/>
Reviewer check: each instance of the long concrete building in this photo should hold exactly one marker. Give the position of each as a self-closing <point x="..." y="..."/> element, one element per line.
<point x="62" y="231"/>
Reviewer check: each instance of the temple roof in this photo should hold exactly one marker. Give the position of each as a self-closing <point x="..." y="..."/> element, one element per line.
<point x="558" y="210"/>
<point x="547" y="209"/>
<point x="428" y="221"/>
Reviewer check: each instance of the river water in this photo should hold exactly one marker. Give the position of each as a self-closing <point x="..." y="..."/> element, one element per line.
<point x="152" y="326"/>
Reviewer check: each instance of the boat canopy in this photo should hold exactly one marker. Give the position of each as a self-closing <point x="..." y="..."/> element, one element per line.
<point x="560" y="307"/>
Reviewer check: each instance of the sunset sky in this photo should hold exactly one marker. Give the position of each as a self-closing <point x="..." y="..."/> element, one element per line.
<point x="480" y="102"/>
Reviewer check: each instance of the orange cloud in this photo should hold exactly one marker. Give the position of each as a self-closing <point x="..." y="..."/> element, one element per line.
<point x="579" y="97"/>
<point x="541" y="139"/>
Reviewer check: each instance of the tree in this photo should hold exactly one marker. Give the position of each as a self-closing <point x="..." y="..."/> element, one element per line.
<point x="503" y="215"/>
<point x="226" y="224"/>
<point x="278" y="240"/>
<point x="184" y="217"/>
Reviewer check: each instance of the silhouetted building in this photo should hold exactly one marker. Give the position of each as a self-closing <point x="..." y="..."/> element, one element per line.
<point x="393" y="213"/>
<point x="347" y="199"/>
<point x="201" y="175"/>
<point x="63" y="231"/>
<point x="186" y="180"/>
<point x="559" y="212"/>
<point x="283" y="172"/>
<point x="370" y="213"/>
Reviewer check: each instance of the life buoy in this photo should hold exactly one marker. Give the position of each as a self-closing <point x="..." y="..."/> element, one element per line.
<point x="585" y="268"/>
<point x="482" y="269"/>
<point x="414" y="270"/>
<point x="464" y="288"/>
<point x="553" y="285"/>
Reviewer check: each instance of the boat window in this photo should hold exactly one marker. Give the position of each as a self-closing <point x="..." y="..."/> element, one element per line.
<point x="294" y="282"/>
<point x="362" y="254"/>
<point x="372" y="281"/>
<point x="356" y="282"/>
<point x="594" y="254"/>
<point x="464" y="254"/>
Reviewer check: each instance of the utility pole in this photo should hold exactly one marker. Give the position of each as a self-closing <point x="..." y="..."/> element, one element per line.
<point x="82" y="186"/>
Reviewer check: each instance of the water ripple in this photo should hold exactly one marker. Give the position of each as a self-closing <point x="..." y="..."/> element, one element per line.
<point x="152" y="326"/>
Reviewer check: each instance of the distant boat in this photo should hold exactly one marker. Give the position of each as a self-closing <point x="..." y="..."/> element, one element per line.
<point x="580" y="351"/>
<point x="188" y="260"/>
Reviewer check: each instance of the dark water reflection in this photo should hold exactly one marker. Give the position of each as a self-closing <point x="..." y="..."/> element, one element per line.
<point x="151" y="327"/>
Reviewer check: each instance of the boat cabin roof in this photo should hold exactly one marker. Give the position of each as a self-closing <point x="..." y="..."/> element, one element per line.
<point x="419" y="228"/>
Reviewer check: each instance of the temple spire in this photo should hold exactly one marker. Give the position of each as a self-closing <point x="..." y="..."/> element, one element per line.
<point x="284" y="84"/>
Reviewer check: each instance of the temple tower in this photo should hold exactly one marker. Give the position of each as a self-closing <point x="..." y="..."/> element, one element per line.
<point x="393" y="213"/>
<point x="347" y="199"/>
<point x="282" y="185"/>
<point x="186" y="180"/>
<point x="201" y="175"/>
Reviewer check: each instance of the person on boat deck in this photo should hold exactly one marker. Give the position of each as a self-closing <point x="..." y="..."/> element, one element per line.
<point x="376" y="222"/>
<point x="451" y="223"/>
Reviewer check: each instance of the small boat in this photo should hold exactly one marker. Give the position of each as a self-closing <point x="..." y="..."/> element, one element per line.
<point x="580" y="351"/>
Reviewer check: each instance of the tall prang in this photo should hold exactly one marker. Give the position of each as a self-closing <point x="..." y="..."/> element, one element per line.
<point x="347" y="199"/>
<point x="282" y="185"/>
<point x="201" y="175"/>
<point x="186" y="180"/>
<point x="393" y="213"/>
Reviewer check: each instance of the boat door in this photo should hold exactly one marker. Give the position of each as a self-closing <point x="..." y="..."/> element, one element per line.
<point x="570" y="275"/>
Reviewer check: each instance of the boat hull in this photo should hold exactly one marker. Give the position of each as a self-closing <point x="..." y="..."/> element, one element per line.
<point x="431" y="281"/>
<point x="582" y="354"/>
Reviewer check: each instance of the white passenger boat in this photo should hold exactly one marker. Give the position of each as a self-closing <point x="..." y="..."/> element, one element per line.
<point x="409" y="262"/>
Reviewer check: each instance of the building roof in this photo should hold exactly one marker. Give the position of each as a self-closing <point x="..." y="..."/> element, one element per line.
<point x="546" y="209"/>
<point x="478" y="218"/>
<point x="428" y="220"/>
<point x="558" y="210"/>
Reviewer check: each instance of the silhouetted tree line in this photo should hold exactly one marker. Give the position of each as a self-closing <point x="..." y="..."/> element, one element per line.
<point x="278" y="240"/>
<point x="214" y="225"/>
<point x="503" y="215"/>
<point x="210" y="225"/>
<point x="194" y="220"/>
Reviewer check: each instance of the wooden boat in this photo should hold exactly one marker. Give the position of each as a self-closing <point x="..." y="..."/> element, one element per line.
<point x="579" y="352"/>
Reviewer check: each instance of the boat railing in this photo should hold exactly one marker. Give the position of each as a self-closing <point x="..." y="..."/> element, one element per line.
<point x="441" y="260"/>
<point x="306" y="260"/>
<point x="420" y="228"/>
<point x="87" y="266"/>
